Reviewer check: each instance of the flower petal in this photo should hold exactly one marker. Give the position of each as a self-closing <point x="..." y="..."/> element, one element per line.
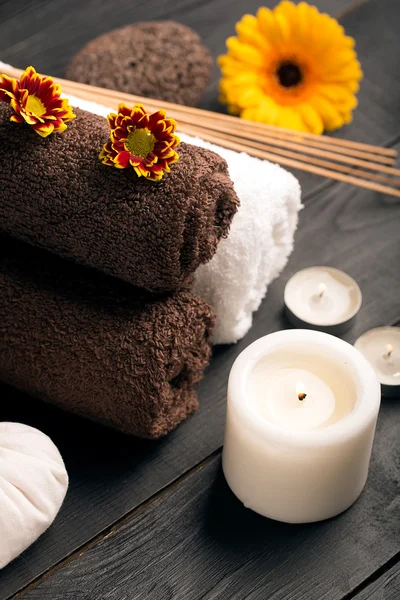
<point x="140" y="140"/>
<point x="36" y="101"/>
<point x="16" y="119"/>
<point x="43" y="129"/>
<point x="121" y="161"/>
<point x="298" y="35"/>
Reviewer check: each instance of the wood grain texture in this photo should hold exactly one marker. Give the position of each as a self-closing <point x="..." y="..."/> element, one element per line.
<point x="387" y="587"/>
<point x="48" y="35"/>
<point x="198" y="541"/>
<point x="351" y="229"/>
<point x="111" y="475"/>
<point x="374" y="26"/>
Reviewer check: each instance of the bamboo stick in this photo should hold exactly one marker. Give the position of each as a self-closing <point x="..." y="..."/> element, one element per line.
<point x="213" y="116"/>
<point x="296" y="164"/>
<point x="291" y="142"/>
<point x="354" y="162"/>
<point x="222" y="137"/>
<point x="289" y="149"/>
<point x="316" y="148"/>
<point x="94" y="97"/>
<point x="246" y="128"/>
<point x="314" y="161"/>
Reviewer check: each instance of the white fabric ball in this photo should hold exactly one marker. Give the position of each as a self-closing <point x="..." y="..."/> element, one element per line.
<point x="33" y="484"/>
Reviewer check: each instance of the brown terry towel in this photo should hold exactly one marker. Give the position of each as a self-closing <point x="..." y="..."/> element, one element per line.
<point x="97" y="346"/>
<point x="55" y="193"/>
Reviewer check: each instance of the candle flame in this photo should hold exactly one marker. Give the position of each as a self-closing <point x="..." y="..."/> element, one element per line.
<point x="301" y="390"/>
<point x="389" y="350"/>
<point x="322" y="289"/>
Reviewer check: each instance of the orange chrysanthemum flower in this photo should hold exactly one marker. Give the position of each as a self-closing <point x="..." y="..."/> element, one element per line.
<point x="37" y="101"/>
<point x="140" y="140"/>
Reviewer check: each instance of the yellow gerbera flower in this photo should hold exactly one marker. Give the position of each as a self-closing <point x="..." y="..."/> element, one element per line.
<point x="292" y="67"/>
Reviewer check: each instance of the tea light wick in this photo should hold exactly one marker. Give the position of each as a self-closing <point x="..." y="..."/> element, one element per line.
<point x="321" y="289"/>
<point x="301" y="391"/>
<point x="389" y="350"/>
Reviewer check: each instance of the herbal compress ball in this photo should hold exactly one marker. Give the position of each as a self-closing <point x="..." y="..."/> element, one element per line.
<point x="160" y="59"/>
<point x="33" y="484"/>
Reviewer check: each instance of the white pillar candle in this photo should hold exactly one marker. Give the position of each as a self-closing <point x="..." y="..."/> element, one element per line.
<point x="381" y="347"/>
<point x="301" y="415"/>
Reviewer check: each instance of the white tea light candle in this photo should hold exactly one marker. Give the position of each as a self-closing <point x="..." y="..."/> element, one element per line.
<point x="381" y="347"/>
<point x="322" y="298"/>
<point x="301" y="415"/>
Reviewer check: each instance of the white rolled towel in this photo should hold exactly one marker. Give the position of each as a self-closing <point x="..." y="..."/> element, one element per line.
<point x="260" y="241"/>
<point x="33" y="484"/>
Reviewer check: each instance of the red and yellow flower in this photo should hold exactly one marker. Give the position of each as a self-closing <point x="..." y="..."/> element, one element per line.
<point x="36" y="101"/>
<point x="141" y="140"/>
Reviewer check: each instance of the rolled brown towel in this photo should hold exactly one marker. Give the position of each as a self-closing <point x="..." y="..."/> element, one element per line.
<point x="96" y="346"/>
<point x="55" y="193"/>
<point x="157" y="59"/>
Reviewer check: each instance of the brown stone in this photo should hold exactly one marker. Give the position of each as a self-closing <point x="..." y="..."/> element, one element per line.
<point x="159" y="59"/>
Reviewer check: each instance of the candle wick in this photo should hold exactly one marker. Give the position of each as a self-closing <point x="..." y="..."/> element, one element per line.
<point x="389" y="350"/>
<point x="321" y="290"/>
<point x="300" y="390"/>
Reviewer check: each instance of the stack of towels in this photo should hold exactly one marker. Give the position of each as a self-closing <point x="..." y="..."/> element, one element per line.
<point x="113" y="289"/>
<point x="260" y="241"/>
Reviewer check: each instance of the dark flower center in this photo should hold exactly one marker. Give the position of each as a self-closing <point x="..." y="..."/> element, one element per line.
<point x="289" y="74"/>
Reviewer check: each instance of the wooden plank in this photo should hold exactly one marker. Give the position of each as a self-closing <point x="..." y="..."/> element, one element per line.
<point x="374" y="27"/>
<point x="387" y="587"/>
<point x="48" y="34"/>
<point x="111" y="474"/>
<point x="198" y="541"/>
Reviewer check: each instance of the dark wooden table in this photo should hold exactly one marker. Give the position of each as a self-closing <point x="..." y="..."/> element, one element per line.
<point x="155" y="520"/>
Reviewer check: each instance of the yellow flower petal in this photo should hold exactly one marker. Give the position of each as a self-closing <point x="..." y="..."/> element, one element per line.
<point x="269" y="26"/>
<point x="249" y="96"/>
<point x="247" y="30"/>
<point x="266" y="111"/>
<point x="339" y="95"/>
<point x="329" y="113"/>
<point x="44" y="130"/>
<point x="311" y="118"/>
<point x="244" y="52"/>
<point x="61" y="127"/>
<point x="290" y="118"/>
